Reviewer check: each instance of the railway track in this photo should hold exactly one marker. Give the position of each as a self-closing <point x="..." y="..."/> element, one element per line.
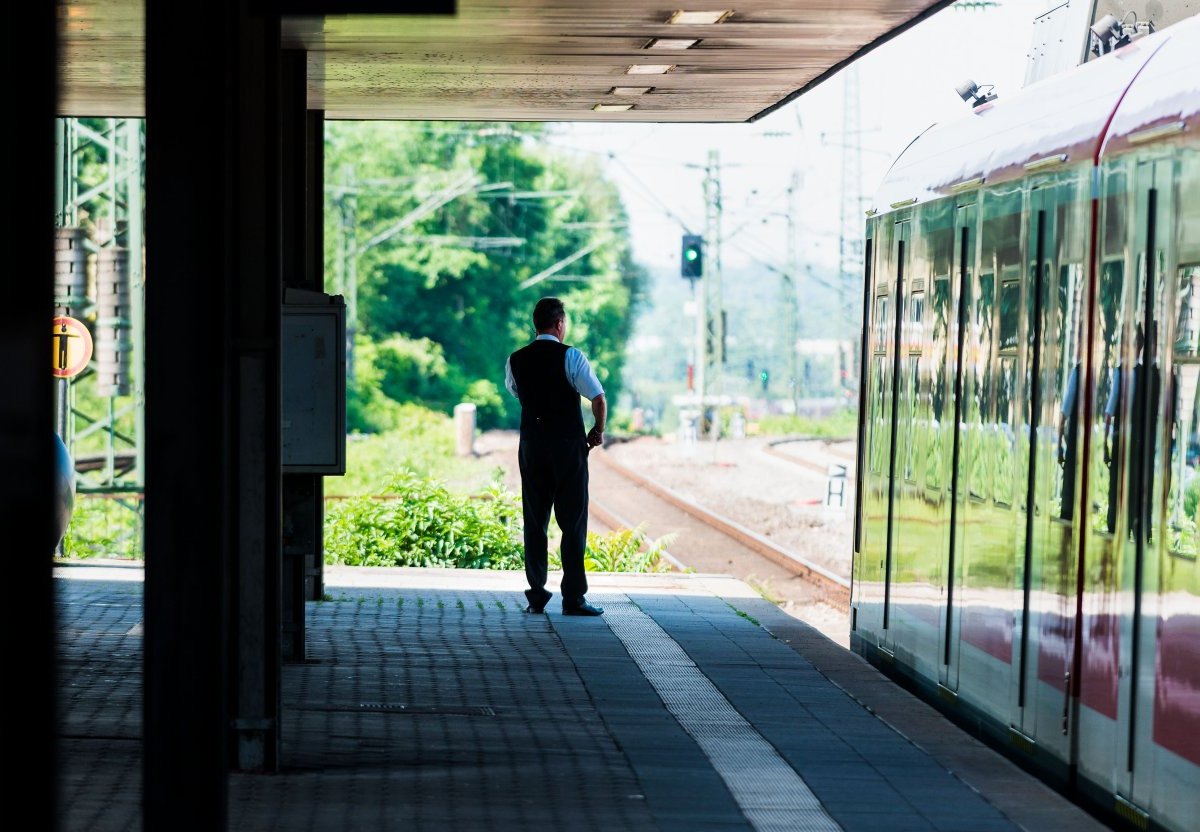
<point x="706" y="541"/>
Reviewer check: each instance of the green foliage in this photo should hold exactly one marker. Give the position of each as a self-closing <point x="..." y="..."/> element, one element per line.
<point x="490" y="407"/>
<point x="1191" y="498"/>
<point x="441" y="301"/>
<point x="626" y="550"/>
<point x="418" y="521"/>
<point x="841" y="424"/>
<point x="425" y="525"/>
<point x="102" y="527"/>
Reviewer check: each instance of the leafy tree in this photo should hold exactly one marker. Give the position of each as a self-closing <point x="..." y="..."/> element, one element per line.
<point x="441" y="300"/>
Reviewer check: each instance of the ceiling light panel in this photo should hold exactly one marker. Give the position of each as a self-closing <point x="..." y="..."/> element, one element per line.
<point x="630" y="90"/>
<point x="612" y="108"/>
<point x="671" y="43"/>
<point x="699" y="18"/>
<point x="649" y="69"/>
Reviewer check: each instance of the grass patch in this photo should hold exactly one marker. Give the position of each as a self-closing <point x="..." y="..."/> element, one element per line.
<point x="841" y="424"/>
<point x="744" y="614"/>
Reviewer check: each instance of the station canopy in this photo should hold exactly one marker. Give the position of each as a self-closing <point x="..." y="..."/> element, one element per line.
<point x="518" y="60"/>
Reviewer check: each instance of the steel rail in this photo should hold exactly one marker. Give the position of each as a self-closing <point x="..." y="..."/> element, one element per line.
<point x="834" y="589"/>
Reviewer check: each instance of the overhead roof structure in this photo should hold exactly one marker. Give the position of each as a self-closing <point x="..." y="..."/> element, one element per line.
<point x="521" y="60"/>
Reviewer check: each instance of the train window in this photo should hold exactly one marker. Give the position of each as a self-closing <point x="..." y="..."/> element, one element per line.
<point x="881" y="324"/>
<point x="1183" y="487"/>
<point x="916" y="321"/>
<point x="939" y="381"/>
<point x="912" y="383"/>
<point x="1109" y="392"/>
<point x="1068" y="334"/>
<point x="1010" y="316"/>
<point x="1187" y="312"/>
<point x="1003" y="444"/>
<point x="982" y="399"/>
<point x="879" y="408"/>
<point x="940" y="336"/>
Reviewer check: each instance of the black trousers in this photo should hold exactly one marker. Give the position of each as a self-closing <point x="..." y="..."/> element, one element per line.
<point x="554" y="476"/>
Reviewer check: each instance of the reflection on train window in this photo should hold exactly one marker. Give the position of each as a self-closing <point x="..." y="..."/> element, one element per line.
<point x="1003" y="441"/>
<point x="1183" y="494"/>
<point x="1106" y="461"/>
<point x="881" y="323"/>
<point x="880" y="434"/>
<point x="1010" y="315"/>
<point x="1068" y="334"/>
<point x="1187" y="312"/>
<point x="979" y="478"/>
<point x="940" y="336"/>
<point x="912" y="385"/>
<point x="916" y="320"/>
<point x="1183" y="487"/>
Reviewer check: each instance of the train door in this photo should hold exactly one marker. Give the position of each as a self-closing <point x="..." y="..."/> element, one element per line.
<point x="1174" y="718"/>
<point x="1096" y="665"/>
<point x="1148" y="411"/>
<point x="1056" y="237"/>
<point x="874" y="491"/>
<point x="952" y="299"/>
<point x="898" y="408"/>
<point x="985" y="559"/>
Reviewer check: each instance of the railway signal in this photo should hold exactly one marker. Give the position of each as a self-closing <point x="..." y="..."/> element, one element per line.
<point x="691" y="257"/>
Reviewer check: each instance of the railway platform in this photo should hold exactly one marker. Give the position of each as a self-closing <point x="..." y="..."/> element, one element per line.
<point x="429" y="700"/>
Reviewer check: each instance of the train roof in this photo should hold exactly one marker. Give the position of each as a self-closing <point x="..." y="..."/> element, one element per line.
<point x="1163" y="102"/>
<point x="1061" y="120"/>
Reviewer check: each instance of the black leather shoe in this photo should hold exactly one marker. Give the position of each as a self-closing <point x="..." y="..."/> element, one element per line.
<point x="581" y="607"/>
<point x="538" y="598"/>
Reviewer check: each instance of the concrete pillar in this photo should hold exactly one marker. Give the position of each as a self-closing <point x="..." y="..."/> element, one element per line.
<point x="212" y="631"/>
<point x="27" y="444"/>
<point x="464" y="428"/>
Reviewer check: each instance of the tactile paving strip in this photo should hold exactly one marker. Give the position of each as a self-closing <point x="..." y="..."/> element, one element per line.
<point x="769" y="792"/>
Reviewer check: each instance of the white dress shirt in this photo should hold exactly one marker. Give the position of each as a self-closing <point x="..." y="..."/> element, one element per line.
<point x="579" y="373"/>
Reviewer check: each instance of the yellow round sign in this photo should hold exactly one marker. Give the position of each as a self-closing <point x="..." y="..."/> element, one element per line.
<point x="72" y="347"/>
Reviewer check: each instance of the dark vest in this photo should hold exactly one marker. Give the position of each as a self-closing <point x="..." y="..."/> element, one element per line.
<point x="549" y="404"/>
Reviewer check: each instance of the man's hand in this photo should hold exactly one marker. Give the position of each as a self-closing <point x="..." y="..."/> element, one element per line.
<point x="595" y="437"/>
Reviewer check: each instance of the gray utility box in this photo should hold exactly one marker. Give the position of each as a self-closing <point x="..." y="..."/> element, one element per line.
<point x="313" y="376"/>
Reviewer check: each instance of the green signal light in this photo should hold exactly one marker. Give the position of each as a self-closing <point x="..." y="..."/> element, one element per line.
<point x="763" y="375"/>
<point x="692" y="254"/>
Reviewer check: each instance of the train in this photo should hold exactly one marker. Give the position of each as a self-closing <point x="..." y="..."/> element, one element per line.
<point x="1025" y="545"/>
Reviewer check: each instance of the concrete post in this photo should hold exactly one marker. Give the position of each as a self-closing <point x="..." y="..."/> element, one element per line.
<point x="464" y="428"/>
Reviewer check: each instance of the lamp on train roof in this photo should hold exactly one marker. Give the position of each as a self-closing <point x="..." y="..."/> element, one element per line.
<point x="975" y="95"/>
<point x="1108" y="34"/>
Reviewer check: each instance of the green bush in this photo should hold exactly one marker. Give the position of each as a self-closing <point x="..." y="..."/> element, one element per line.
<point x="626" y="550"/>
<point x="104" y="527"/>
<point x="418" y="522"/>
<point x="1191" y="498"/>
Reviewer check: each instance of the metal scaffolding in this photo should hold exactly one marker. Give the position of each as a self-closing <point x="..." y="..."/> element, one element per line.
<point x="98" y="209"/>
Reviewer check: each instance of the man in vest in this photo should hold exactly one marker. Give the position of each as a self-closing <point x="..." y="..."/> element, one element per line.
<point x="549" y="377"/>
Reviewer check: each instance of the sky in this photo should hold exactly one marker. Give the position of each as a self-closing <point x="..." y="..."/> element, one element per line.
<point x="904" y="86"/>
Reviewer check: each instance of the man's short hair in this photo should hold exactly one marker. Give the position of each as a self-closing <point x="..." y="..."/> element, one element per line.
<point x="547" y="313"/>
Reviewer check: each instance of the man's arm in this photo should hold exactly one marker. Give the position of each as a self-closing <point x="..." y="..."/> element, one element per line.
<point x="509" y="381"/>
<point x="595" y="436"/>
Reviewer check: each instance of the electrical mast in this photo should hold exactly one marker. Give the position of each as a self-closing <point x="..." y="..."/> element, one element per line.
<point x="851" y="227"/>
<point x="711" y="310"/>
